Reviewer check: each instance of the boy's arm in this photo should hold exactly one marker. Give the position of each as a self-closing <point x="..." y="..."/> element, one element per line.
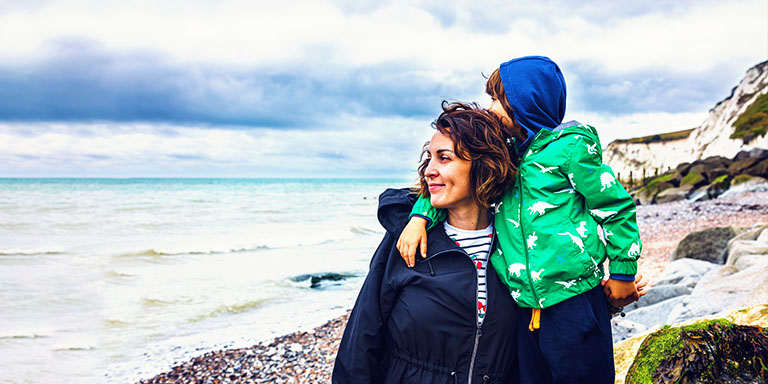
<point x="423" y="216"/>
<point x="609" y="203"/>
<point x="423" y="208"/>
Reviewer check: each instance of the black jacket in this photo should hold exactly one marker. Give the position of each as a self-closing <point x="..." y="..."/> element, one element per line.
<point x="418" y="325"/>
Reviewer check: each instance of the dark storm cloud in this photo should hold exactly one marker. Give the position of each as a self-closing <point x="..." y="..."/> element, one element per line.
<point x="81" y="81"/>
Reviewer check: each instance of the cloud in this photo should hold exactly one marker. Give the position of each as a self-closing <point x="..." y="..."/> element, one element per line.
<point x="81" y="81"/>
<point x="647" y="90"/>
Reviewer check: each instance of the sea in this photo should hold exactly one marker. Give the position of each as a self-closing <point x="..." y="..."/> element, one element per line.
<point x="116" y="280"/>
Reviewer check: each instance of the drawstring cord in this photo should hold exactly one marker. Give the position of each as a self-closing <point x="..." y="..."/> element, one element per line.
<point x="455" y="378"/>
<point x="431" y="271"/>
<point x="535" y="319"/>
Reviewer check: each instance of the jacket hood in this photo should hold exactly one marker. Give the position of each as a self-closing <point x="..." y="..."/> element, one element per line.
<point x="535" y="90"/>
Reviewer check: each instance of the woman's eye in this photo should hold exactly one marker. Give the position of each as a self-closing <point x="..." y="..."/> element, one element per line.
<point x="444" y="158"/>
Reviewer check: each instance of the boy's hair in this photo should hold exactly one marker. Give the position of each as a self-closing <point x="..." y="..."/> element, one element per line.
<point x="495" y="88"/>
<point x="478" y="137"/>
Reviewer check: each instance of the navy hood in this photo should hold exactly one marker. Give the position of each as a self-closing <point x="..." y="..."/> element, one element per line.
<point x="535" y="90"/>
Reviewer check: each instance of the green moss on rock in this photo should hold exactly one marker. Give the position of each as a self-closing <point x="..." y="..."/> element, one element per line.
<point x="714" y="351"/>
<point x="692" y="178"/>
<point x="740" y="179"/>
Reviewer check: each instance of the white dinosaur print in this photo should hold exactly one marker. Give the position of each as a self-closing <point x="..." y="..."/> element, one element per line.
<point x="575" y="240"/>
<point x="602" y="214"/>
<point x="607" y="180"/>
<point x="541" y="301"/>
<point x="566" y="284"/>
<point x="607" y="234"/>
<point x="570" y="180"/>
<point x="592" y="149"/>
<point x="601" y="235"/>
<point x="544" y="170"/>
<point x="498" y="206"/>
<point x="536" y="276"/>
<point x="515" y="294"/>
<point x="596" y="267"/>
<point x="532" y="240"/>
<point x="634" y="250"/>
<point x="540" y="207"/>
<point x="517" y="225"/>
<point x="582" y="229"/>
<point x="515" y="269"/>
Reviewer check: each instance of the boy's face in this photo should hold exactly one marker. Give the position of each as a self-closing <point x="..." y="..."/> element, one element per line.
<point x="497" y="109"/>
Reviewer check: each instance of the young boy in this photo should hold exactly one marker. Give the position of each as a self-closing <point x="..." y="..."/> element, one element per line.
<point x="565" y="214"/>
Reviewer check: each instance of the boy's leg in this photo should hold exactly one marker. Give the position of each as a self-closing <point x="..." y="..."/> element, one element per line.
<point x="575" y="339"/>
<point x="532" y="365"/>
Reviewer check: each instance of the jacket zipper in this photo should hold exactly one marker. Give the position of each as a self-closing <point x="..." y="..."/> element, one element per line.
<point x="479" y="328"/>
<point x="522" y="228"/>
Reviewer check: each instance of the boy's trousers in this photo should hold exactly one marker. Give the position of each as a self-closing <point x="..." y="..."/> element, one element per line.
<point x="572" y="345"/>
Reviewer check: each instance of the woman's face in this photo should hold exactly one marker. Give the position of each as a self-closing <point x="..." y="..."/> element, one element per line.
<point x="447" y="174"/>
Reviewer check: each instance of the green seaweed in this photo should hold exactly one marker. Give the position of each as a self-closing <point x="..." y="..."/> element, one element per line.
<point x="712" y="351"/>
<point x="753" y="122"/>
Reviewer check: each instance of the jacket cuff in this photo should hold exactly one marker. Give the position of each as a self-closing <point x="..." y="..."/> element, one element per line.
<point x="621" y="267"/>
<point x="622" y="277"/>
<point x="429" y="221"/>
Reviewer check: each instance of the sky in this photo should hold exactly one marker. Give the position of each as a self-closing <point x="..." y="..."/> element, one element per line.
<point x="335" y="88"/>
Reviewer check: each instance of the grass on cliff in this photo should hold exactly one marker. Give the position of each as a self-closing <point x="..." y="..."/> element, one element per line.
<point x="753" y="122"/>
<point x="662" y="137"/>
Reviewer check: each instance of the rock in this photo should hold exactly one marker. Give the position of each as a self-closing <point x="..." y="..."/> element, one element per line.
<point x="750" y="242"/>
<point x="656" y="314"/>
<point x="683" y="168"/>
<point x="658" y="294"/>
<point x="724" y="288"/>
<point x="760" y="169"/>
<point x="694" y="180"/>
<point x="740" y="166"/>
<point x="708" y="245"/>
<point x="672" y="194"/>
<point x="623" y="329"/>
<point x="714" y="351"/>
<point x="746" y="183"/>
<point x="626" y="350"/>
<point x="685" y="272"/>
<point x="718" y="186"/>
<point x="754" y="152"/>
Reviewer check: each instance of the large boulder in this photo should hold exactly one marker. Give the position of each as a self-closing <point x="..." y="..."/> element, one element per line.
<point x="746" y="183"/>
<point x="754" y="152"/>
<point x="759" y="169"/>
<point x="708" y="245"/>
<point x="714" y="351"/>
<point x="672" y="194"/>
<point x="694" y="180"/>
<point x="721" y="289"/>
<point x="753" y="241"/>
<point x="624" y="352"/>
<point x="740" y="166"/>
<point x="659" y="293"/>
<point x="686" y="272"/>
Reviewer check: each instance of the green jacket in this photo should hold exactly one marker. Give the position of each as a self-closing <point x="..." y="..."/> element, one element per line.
<point x="564" y="215"/>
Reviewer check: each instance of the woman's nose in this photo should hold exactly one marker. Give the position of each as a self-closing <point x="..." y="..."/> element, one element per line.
<point x="431" y="170"/>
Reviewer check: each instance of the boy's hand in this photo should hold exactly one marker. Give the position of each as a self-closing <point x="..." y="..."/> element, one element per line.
<point x="414" y="236"/>
<point x="640" y="284"/>
<point x="619" y="291"/>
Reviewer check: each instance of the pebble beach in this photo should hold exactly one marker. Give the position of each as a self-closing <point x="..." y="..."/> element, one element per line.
<point x="307" y="357"/>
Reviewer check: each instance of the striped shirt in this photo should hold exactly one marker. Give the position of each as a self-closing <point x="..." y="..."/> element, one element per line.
<point x="476" y="244"/>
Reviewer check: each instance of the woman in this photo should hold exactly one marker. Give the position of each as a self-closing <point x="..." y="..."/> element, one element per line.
<point x="428" y="324"/>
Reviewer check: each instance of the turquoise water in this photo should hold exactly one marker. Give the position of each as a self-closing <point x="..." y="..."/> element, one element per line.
<point x="116" y="279"/>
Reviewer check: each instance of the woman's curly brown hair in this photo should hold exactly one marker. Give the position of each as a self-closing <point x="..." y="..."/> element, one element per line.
<point x="478" y="137"/>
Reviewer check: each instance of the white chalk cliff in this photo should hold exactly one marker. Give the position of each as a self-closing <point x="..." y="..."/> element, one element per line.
<point x="712" y="138"/>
